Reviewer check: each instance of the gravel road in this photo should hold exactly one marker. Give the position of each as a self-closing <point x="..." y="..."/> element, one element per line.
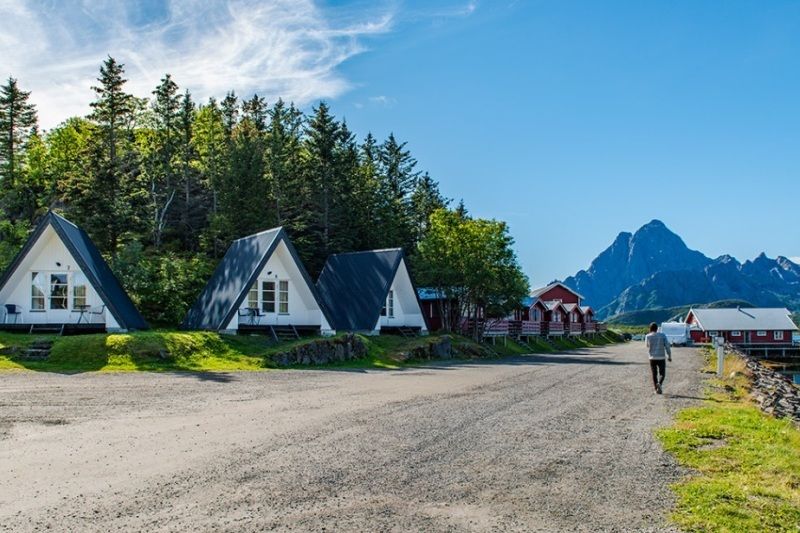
<point x="534" y="443"/>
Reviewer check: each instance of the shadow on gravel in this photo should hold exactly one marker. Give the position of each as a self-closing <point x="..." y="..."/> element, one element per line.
<point x="216" y="377"/>
<point x="573" y="358"/>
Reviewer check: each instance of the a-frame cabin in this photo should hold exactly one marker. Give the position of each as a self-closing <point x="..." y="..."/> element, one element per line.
<point x="59" y="282"/>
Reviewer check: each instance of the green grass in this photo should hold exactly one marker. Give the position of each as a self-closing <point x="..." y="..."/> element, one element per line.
<point x="169" y="350"/>
<point x="747" y="463"/>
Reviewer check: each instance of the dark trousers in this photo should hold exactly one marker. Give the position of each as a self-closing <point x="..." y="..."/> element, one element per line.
<point x="658" y="366"/>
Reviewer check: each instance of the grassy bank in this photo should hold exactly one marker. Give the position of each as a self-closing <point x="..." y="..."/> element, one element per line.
<point x="747" y="463"/>
<point x="168" y="350"/>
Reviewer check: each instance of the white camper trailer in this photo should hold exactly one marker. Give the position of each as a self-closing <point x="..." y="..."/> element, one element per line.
<point x="677" y="332"/>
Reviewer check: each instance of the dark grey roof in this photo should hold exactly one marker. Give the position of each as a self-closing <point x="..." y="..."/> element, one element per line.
<point x="92" y="265"/>
<point x="233" y="277"/>
<point x="353" y="287"/>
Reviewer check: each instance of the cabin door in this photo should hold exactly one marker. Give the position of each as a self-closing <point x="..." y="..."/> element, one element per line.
<point x="747" y="337"/>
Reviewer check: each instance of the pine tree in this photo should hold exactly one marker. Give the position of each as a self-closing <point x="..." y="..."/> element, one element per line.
<point x="17" y="123"/>
<point x="398" y="179"/>
<point x="322" y="136"/>
<point x="255" y="110"/>
<point x="194" y="203"/>
<point x="230" y="113"/>
<point x="211" y="144"/>
<point x="110" y="201"/>
<point x="284" y="166"/>
<point x="425" y="200"/>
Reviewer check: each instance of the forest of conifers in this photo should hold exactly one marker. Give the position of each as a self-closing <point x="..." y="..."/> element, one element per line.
<point x="163" y="184"/>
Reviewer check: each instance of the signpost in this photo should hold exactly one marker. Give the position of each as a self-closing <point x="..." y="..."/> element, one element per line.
<point x="720" y="342"/>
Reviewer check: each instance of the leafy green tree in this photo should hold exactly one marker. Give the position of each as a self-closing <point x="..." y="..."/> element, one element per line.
<point x="470" y="262"/>
<point x="210" y="143"/>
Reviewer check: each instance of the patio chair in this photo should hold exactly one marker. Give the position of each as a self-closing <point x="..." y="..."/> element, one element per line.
<point x="12" y="310"/>
<point x="96" y="311"/>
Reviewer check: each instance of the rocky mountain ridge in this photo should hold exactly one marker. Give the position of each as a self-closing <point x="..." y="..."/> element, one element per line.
<point x="653" y="268"/>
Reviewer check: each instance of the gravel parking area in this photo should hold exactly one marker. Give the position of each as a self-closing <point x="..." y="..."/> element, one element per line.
<point x="537" y="443"/>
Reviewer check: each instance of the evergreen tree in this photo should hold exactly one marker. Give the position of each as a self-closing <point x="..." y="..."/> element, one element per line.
<point x="109" y="202"/>
<point x="284" y="166"/>
<point x="211" y="144"/>
<point x="161" y="168"/>
<point x="425" y="200"/>
<point x="255" y="110"/>
<point x="194" y="202"/>
<point x="17" y="123"/>
<point x="230" y="113"/>
<point x="322" y="136"/>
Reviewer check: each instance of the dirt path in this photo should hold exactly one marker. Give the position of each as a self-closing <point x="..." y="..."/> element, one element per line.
<point x="534" y="443"/>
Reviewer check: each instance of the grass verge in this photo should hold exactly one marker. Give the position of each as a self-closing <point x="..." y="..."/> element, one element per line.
<point x="169" y="350"/>
<point x="747" y="463"/>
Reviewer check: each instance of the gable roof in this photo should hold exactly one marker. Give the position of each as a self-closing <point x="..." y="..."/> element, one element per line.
<point x="91" y="263"/>
<point x="541" y="290"/>
<point x="552" y="304"/>
<point x="573" y="307"/>
<point x="754" y="318"/>
<point x="587" y="309"/>
<point x="353" y="287"/>
<point x="233" y="277"/>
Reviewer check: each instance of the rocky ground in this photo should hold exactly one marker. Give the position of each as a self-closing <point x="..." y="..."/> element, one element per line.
<point x="538" y="443"/>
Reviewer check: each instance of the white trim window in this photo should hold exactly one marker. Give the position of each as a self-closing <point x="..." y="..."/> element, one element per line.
<point x="38" y="298"/>
<point x="390" y="304"/>
<point x="252" y="296"/>
<point x="80" y="290"/>
<point x="556" y="317"/>
<point x="736" y="333"/>
<point x="777" y="335"/>
<point x="761" y="333"/>
<point x="283" y="297"/>
<point x="59" y="291"/>
<point x="268" y="296"/>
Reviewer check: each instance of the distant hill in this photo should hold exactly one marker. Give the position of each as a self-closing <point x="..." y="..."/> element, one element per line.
<point x="646" y="316"/>
<point x="653" y="269"/>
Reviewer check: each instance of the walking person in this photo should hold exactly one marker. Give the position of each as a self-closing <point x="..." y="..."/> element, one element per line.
<point x="658" y="348"/>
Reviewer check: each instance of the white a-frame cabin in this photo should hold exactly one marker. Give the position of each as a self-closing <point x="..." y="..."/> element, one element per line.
<point x="260" y="286"/>
<point x="371" y="292"/>
<point x="59" y="282"/>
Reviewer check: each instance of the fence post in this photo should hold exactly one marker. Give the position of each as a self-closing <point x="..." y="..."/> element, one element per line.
<point x="720" y="341"/>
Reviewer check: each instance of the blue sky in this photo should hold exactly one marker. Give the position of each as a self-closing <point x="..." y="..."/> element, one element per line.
<point x="571" y="120"/>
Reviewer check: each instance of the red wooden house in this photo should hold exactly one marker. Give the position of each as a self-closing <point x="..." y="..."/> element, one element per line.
<point x="752" y="326"/>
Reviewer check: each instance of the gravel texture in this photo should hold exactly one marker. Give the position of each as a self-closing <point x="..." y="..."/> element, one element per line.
<point x="535" y="443"/>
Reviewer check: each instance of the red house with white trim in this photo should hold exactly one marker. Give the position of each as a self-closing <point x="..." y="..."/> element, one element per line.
<point x="772" y="326"/>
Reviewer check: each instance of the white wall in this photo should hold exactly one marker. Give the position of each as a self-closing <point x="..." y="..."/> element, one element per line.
<point x="303" y="307"/>
<point x="407" y="312"/>
<point x="44" y="255"/>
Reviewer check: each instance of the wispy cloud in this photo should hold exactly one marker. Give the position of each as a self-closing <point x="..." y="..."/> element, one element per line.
<point x="383" y="100"/>
<point x="287" y="48"/>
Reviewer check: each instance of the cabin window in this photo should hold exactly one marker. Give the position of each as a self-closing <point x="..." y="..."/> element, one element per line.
<point x="268" y="296"/>
<point x="761" y="333"/>
<point x="37" y="291"/>
<point x="556" y="316"/>
<point x="252" y="296"/>
<point x="58" y="291"/>
<point x="283" y="297"/>
<point x="736" y="333"/>
<point x="777" y="335"/>
<point x="536" y="315"/>
<point x="390" y="304"/>
<point x="79" y="290"/>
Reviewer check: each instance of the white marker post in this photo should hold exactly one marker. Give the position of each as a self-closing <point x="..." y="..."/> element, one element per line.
<point x="720" y="342"/>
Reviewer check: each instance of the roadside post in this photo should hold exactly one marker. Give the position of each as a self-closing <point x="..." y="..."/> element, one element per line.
<point x="720" y="342"/>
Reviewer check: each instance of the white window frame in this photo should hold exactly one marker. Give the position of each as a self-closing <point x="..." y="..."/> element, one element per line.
<point x="266" y="291"/>
<point x="777" y="335"/>
<point x="252" y="296"/>
<point x="736" y="333"/>
<point x="761" y="333"/>
<point x="51" y="286"/>
<point x="283" y="297"/>
<point x="79" y="280"/>
<point x="42" y="287"/>
<point x="390" y="304"/>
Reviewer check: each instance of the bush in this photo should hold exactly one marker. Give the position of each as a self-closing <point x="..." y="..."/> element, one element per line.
<point x="163" y="287"/>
